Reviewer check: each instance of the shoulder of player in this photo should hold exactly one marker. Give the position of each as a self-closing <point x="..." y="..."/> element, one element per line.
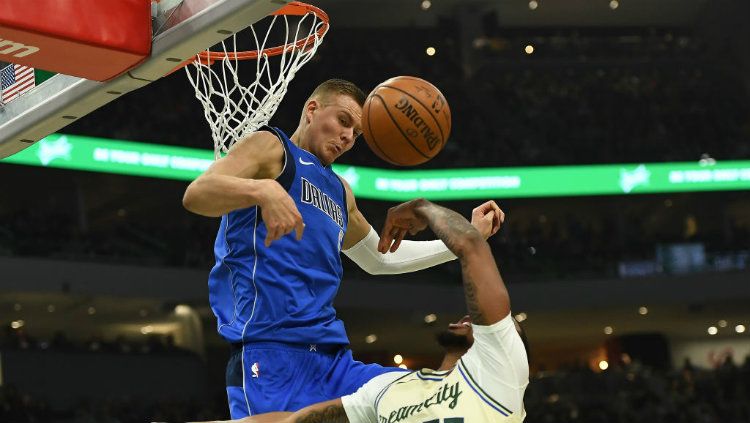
<point x="262" y="147"/>
<point x="258" y="143"/>
<point x="347" y="188"/>
<point x="350" y="200"/>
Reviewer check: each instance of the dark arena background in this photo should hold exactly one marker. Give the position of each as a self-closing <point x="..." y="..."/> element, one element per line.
<point x="636" y="303"/>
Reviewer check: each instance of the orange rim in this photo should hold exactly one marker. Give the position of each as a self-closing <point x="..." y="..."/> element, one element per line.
<point x="294" y="8"/>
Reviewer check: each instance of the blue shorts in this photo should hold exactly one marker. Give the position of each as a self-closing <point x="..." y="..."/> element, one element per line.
<point x="268" y="376"/>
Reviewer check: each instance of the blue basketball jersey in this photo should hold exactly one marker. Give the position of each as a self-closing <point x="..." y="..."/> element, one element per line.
<point x="284" y="292"/>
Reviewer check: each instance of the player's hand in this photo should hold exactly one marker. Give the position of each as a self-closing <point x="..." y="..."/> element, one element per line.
<point x="400" y="220"/>
<point x="279" y="212"/>
<point x="487" y="218"/>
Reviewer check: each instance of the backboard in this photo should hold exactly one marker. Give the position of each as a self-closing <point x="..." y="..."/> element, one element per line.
<point x="181" y="29"/>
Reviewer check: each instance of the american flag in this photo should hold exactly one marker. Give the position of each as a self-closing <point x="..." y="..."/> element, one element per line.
<point x="15" y="80"/>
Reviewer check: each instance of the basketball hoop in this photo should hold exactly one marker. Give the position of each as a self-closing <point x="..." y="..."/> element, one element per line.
<point x="235" y="108"/>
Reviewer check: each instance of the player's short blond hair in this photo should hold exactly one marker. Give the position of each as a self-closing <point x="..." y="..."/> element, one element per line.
<point x="331" y="87"/>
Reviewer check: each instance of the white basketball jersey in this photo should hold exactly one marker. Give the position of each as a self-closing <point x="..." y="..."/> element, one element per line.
<point x="447" y="397"/>
<point x="487" y="385"/>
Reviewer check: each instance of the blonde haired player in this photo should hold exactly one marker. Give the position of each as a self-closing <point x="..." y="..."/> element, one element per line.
<point x="484" y="384"/>
<point x="271" y="292"/>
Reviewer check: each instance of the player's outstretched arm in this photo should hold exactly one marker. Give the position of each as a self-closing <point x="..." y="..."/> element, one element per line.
<point x="486" y="296"/>
<point x="361" y="241"/>
<point x="245" y="178"/>
<point x="323" y="412"/>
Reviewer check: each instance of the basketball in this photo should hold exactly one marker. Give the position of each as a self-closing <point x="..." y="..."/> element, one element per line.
<point x="406" y="121"/>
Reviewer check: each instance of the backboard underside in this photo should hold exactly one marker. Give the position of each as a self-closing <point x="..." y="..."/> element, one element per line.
<point x="179" y="33"/>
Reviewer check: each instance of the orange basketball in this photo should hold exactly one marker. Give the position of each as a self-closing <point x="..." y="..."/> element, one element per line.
<point x="406" y="121"/>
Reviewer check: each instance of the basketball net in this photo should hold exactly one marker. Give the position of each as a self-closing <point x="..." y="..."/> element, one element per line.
<point x="235" y="106"/>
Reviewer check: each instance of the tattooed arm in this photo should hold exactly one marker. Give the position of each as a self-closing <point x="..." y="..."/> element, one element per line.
<point x="323" y="412"/>
<point x="486" y="296"/>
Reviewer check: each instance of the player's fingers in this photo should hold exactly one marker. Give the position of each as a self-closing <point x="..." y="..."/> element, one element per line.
<point x="287" y="228"/>
<point x="274" y="232"/>
<point x="477" y="213"/>
<point x="500" y="215"/>
<point x="489" y="218"/>
<point x="299" y="228"/>
<point x="500" y="218"/>
<point x="384" y="244"/>
<point x="488" y="221"/>
<point x="484" y="207"/>
<point x="494" y="207"/>
<point x="397" y="239"/>
<point x="392" y="237"/>
<point x="493" y="217"/>
<point x="385" y="237"/>
<point x="496" y="222"/>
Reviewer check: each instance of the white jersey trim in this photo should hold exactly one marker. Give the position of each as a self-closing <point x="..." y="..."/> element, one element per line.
<point x="252" y="313"/>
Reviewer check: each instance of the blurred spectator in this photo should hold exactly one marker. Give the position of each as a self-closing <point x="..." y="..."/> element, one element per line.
<point x="584" y="96"/>
<point x="631" y="394"/>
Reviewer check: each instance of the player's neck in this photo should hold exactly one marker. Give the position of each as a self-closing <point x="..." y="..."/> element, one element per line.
<point x="297" y="137"/>
<point x="450" y="359"/>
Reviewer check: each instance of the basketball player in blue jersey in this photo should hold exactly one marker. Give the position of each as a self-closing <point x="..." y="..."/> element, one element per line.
<point x="485" y="371"/>
<point x="272" y="291"/>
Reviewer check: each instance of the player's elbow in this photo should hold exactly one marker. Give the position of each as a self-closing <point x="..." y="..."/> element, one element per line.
<point x="378" y="268"/>
<point x="191" y="201"/>
<point x="380" y="265"/>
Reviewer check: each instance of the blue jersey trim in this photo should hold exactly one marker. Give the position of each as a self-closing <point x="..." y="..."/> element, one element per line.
<point x="419" y="375"/>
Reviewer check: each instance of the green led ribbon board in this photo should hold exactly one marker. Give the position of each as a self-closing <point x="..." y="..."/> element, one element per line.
<point x="159" y="161"/>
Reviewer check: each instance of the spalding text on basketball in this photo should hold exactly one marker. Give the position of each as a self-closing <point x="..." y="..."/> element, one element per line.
<point x="411" y="113"/>
<point x="9" y="47"/>
<point x="438" y="104"/>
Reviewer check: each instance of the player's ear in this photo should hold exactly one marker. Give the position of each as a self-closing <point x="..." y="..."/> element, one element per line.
<point x="311" y="106"/>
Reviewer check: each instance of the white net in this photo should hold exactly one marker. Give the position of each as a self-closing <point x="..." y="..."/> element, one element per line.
<point x="235" y="106"/>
